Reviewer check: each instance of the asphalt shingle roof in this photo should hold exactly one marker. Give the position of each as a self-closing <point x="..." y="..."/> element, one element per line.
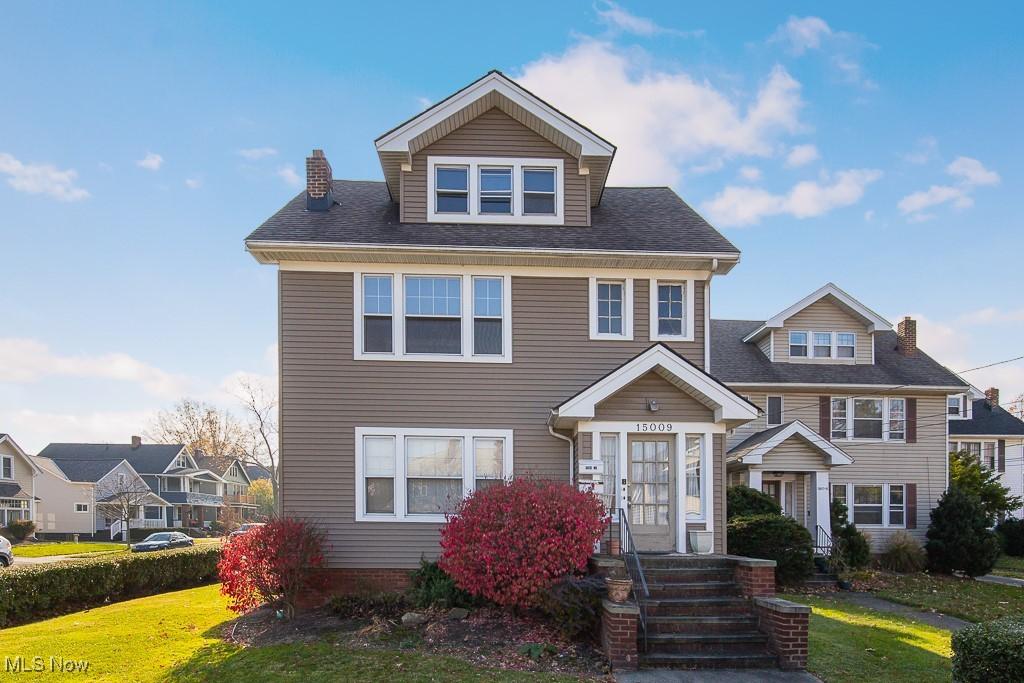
<point x="987" y="420"/>
<point x="90" y="461"/>
<point x="759" y="437"/>
<point x="627" y="219"/>
<point x="10" y="490"/>
<point x="736" y="362"/>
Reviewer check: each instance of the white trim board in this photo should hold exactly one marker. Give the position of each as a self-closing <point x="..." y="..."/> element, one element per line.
<point x="627" y="308"/>
<point x="689" y="309"/>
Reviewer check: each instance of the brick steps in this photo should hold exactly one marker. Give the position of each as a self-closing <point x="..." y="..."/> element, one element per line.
<point x="740" y="623"/>
<point x="706" y="661"/>
<point x="749" y="643"/>
<point x="713" y="606"/>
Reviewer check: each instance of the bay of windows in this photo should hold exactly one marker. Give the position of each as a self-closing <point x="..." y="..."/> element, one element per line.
<point x="869" y="419"/>
<point x="494" y="190"/>
<point x="422" y="474"/>
<point x="822" y="344"/>
<point x="12" y="509"/>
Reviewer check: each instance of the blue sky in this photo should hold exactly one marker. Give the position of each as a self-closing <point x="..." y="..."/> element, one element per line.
<point x="875" y="145"/>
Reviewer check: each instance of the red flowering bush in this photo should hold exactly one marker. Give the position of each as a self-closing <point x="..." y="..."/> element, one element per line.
<point x="509" y="543"/>
<point x="274" y="563"/>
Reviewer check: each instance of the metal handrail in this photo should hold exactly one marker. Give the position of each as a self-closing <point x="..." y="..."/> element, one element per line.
<point x="635" y="571"/>
<point x="822" y="541"/>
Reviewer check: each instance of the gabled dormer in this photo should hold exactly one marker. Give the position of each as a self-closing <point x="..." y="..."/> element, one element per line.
<point x="494" y="153"/>
<point x="828" y="326"/>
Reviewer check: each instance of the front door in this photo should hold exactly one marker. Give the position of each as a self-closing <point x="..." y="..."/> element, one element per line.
<point x="783" y="492"/>
<point x="652" y="508"/>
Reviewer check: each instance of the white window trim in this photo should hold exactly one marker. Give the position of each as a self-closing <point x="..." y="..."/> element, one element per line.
<point x="80" y="512"/>
<point x="3" y="460"/>
<point x="688" y="310"/>
<point x="981" y="450"/>
<point x="885" y="505"/>
<point x="705" y="475"/>
<point x="885" y="419"/>
<point x="398" y="319"/>
<point x="966" y="407"/>
<point x="517" y="164"/>
<point x="782" y="410"/>
<point x="833" y="347"/>
<point x="627" y="309"/>
<point x="836" y="345"/>
<point x="807" y="344"/>
<point x="400" y="435"/>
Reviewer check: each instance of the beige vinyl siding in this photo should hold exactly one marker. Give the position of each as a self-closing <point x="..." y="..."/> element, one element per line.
<point x="795" y="455"/>
<point x="824" y="315"/>
<point x="630" y="403"/>
<point x="20" y="469"/>
<point x="760" y="423"/>
<point x="718" y="484"/>
<point x="55" y="509"/>
<point x="494" y="134"/>
<point x="765" y="345"/>
<point x="325" y="394"/>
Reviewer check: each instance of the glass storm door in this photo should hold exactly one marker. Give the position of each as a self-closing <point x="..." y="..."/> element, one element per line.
<point x="652" y="509"/>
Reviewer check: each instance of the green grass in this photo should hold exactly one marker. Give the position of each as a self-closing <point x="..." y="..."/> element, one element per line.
<point x="1010" y="566"/>
<point x="176" y="637"/>
<point x="963" y="598"/>
<point x="49" y="549"/>
<point x="850" y="643"/>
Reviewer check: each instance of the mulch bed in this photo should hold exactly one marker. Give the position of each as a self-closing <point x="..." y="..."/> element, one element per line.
<point x="489" y="638"/>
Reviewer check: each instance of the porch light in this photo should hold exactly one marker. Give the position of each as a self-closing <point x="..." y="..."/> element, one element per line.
<point x="652" y="405"/>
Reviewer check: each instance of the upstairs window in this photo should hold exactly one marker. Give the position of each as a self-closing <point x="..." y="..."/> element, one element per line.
<point x="496" y="190"/>
<point x="798" y="344"/>
<point x="539" y="191"/>
<point x="869" y="419"/>
<point x="8" y="466"/>
<point x="954" y="405"/>
<point x="774" y="412"/>
<point x="846" y="345"/>
<point x="433" y="314"/>
<point x="897" y="419"/>
<point x="377" y="314"/>
<point x="451" y="185"/>
<point x="609" y="308"/>
<point x="487" y="315"/>
<point x="670" y="310"/>
<point x="822" y="344"/>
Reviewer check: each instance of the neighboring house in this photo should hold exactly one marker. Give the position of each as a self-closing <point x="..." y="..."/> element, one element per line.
<point x="238" y="502"/>
<point x="978" y="425"/>
<point x="851" y="410"/>
<point x="181" y="494"/>
<point x="18" y="495"/>
<point x="65" y="507"/>
<point x="492" y="309"/>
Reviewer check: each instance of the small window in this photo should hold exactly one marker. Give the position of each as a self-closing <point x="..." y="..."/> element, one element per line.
<point x="377" y="314"/>
<point x="452" y="189"/>
<point x="846" y="345"/>
<point x="609" y="469"/>
<point x="822" y="344"/>
<point x="538" y="191"/>
<point x="671" y="318"/>
<point x="798" y="344"/>
<point x="897" y="419"/>
<point x="988" y="454"/>
<point x="433" y="315"/>
<point x="694" y="495"/>
<point x="867" y="418"/>
<point x="953" y="405"/>
<point x="774" y="411"/>
<point x="839" y="493"/>
<point x="8" y="467"/>
<point x="897" y="505"/>
<point x="496" y="190"/>
<point x="379" y="474"/>
<point x="839" y="418"/>
<point x="487" y="313"/>
<point x="81" y="507"/>
<point x="489" y="461"/>
<point x="609" y="307"/>
<point x="867" y="505"/>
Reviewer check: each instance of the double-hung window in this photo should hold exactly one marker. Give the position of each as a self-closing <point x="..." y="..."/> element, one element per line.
<point x="671" y="310"/>
<point x="496" y="190"/>
<point x="501" y="190"/>
<point x="539" y="191"/>
<point x="81" y="507"/>
<point x="839" y="493"/>
<point x="798" y="344"/>
<point x="897" y="505"/>
<point x="869" y="419"/>
<point x="846" y="345"/>
<point x="897" y="419"/>
<point x="774" y="411"/>
<point x="840" y="423"/>
<point x="421" y="474"/>
<point x="822" y="344"/>
<point x="988" y="454"/>
<point x="609" y="307"/>
<point x="451" y="190"/>
<point x="8" y="467"/>
<point x="487" y="315"/>
<point x="433" y="314"/>
<point x="868" y="508"/>
<point x="378" y="335"/>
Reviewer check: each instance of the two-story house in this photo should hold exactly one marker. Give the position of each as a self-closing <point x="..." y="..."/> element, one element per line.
<point x="493" y="309"/>
<point x="979" y="425"/>
<point x="17" y="482"/>
<point x="239" y="504"/>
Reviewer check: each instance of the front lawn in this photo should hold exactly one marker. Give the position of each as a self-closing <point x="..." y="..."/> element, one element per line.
<point x="850" y="643"/>
<point x="57" y="548"/>
<point x="177" y="637"/>
<point x="963" y="598"/>
<point x="1010" y="566"/>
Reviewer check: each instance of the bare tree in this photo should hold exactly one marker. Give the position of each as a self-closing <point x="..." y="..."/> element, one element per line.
<point x="119" y="495"/>
<point x="1017" y="407"/>
<point x="201" y="427"/>
<point x="260" y="403"/>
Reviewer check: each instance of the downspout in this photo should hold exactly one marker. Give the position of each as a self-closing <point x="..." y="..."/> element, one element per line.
<point x="568" y="440"/>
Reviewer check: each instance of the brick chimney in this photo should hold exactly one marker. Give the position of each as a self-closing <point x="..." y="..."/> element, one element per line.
<point x="992" y="396"/>
<point x="136" y="442"/>
<point x="318" y="182"/>
<point x="906" y="336"/>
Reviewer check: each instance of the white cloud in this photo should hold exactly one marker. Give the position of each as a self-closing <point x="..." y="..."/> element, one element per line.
<point x="287" y="174"/>
<point x="972" y="172"/>
<point x="257" y="153"/>
<point x="193" y="183"/>
<point x="991" y="315"/>
<point x="150" y="162"/>
<point x="663" y="120"/>
<point x="618" y="18"/>
<point x="739" y="206"/>
<point x="751" y="173"/>
<point x="423" y="102"/>
<point x="801" y="155"/>
<point x="925" y="150"/>
<point x="41" y="179"/>
<point x="869" y="215"/>
<point x="969" y="174"/>
<point x="802" y="34"/>
<point x="27" y="360"/>
<point x="35" y="429"/>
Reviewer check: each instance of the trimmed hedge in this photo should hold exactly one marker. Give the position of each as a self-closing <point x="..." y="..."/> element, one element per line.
<point x="992" y="652"/>
<point x="36" y="591"/>
<point x="743" y="501"/>
<point x="774" y="537"/>
<point x="1011" y="534"/>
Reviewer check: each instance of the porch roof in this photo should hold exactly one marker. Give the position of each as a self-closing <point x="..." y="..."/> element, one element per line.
<point x="726" y="404"/>
<point x="751" y="451"/>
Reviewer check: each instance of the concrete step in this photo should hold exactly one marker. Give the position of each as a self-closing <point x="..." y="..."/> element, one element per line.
<point x="735" y="623"/>
<point x="707" y="661"/>
<point x="687" y="562"/>
<point x="750" y="643"/>
<point x="684" y="574"/>
<point x="712" y="606"/>
<point x="693" y="589"/>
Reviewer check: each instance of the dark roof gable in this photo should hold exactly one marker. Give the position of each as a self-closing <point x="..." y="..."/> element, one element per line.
<point x="987" y="420"/>
<point x="91" y="461"/>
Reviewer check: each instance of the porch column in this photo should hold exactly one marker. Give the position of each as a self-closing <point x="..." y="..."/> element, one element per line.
<point x="754" y="479"/>
<point x="820" y="500"/>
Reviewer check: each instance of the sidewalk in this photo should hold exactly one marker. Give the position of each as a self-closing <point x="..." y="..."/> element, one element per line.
<point x="715" y="676"/>
<point x="1003" y="580"/>
<point x="931" y="618"/>
<point x="49" y="559"/>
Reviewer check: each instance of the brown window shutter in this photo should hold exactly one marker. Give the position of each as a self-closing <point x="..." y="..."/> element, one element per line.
<point x="1001" y="466"/>
<point x="825" y="417"/>
<point x="911" y="420"/>
<point x="911" y="495"/>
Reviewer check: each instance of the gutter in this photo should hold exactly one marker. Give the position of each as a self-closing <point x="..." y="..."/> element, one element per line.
<point x="568" y="440"/>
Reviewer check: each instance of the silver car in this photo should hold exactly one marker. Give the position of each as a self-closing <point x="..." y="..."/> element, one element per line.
<point x="6" y="554"/>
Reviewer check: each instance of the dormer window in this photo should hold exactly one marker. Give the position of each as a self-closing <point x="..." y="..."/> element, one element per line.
<point x="846" y="345"/>
<point x="953" y="405"/>
<point x="495" y="190"/>
<point x="798" y="344"/>
<point x="822" y="344"/>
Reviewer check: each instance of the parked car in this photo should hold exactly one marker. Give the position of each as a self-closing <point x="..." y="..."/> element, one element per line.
<point x="163" y="541"/>
<point x="245" y="528"/>
<point x="6" y="554"/>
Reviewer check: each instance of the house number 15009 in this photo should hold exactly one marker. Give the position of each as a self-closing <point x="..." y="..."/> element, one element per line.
<point x="654" y="426"/>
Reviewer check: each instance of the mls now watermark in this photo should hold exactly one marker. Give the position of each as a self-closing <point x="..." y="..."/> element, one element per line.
<point x="29" y="665"/>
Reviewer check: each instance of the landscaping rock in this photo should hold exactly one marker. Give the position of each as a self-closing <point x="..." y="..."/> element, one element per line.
<point x="414" y="619"/>
<point x="458" y="613"/>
